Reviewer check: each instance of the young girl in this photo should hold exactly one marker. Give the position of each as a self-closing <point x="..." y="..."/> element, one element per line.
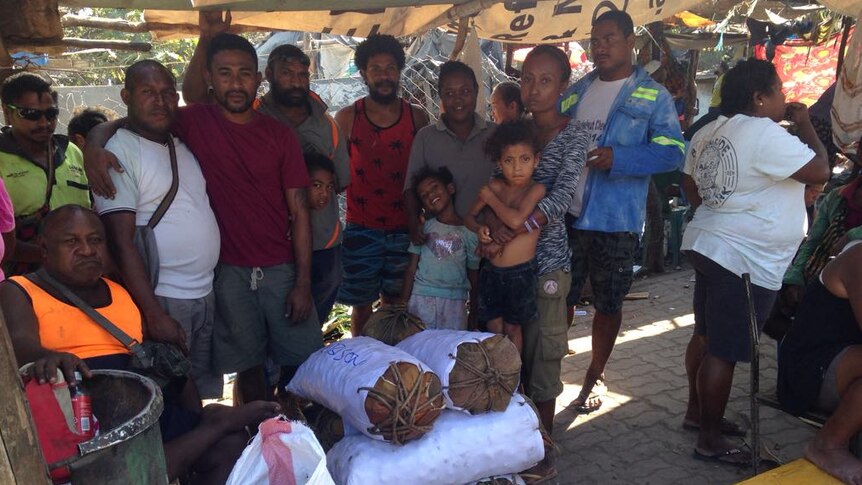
<point x="443" y="271"/>
<point x="509" y="282"/>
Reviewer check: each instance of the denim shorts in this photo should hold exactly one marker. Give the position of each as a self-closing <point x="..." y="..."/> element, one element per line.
<point x="508" y="293"/>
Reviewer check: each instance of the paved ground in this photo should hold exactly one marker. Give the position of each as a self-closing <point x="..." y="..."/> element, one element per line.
<point x="637" y="436"/>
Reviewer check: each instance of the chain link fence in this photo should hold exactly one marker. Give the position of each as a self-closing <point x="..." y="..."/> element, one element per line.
<point x="418" y="86"/>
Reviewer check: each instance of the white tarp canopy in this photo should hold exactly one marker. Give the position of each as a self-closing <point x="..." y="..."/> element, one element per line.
<point x="536" y="21"/>
<point x="850" y="8"/>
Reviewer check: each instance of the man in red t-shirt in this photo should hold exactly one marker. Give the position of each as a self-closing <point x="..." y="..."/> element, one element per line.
<point x="380" y="127"/>
<point x="256" y="181"/>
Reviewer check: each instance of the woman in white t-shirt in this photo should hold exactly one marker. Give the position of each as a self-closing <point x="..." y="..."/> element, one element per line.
<point x="746" y="176"/>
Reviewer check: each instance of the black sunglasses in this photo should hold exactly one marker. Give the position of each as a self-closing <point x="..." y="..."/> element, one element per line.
<point x="33" y="114"/>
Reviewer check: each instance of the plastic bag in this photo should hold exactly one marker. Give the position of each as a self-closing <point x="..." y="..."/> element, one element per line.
<point x="283" y="453"/>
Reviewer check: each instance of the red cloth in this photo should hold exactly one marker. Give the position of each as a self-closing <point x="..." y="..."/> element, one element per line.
<point x="805" y="71"/>
<point x="378" y="165"/>
<point x="247" y="170"/>
<point x="57" y="441"/>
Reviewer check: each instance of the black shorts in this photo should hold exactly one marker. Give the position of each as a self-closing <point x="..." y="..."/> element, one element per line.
<point x="720" y="309"/>
<point x="508" y="293"/>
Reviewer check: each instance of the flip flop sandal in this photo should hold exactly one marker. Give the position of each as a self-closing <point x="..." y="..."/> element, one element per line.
<point x="738" y="457"/>
<point x="728" y="428"/>
<point x="586" y="408"/>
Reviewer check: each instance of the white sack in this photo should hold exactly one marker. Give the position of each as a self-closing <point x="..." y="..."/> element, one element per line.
<point x="283" y="453"/>
<point x="334" y="375"/>
<point x="460" y="448"/>
<point x="438" y="349"/>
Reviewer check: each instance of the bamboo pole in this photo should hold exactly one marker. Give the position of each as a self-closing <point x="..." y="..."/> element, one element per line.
<point x="21" y="461"/>
<point x="120" y="25"/>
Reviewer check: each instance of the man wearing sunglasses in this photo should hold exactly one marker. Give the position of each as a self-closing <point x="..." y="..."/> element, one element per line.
<point x="41" y="170"/>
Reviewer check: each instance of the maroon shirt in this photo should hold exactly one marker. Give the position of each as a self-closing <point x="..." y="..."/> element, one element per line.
<point x="247" y="169"/>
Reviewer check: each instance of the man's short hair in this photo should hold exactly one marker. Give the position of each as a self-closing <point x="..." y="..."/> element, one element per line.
<point x="67" y="210"/>
<point x="622" y="19"/>
<point x="287" y="52"/>
<point x="379" y="44"/>
<point x="139" y="66"/>
<point x="17" y="85"/>
<point x="83" y="122"/>
<point x="229" y="42"/>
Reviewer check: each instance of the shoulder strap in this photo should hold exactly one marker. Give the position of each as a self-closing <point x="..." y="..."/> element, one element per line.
<point x="51" y="169"/>
<point x="52" y="283"/>
<point x="172" y="192"/>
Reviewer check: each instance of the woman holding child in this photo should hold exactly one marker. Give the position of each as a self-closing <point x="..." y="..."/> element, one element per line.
<point x="545" y="75"/>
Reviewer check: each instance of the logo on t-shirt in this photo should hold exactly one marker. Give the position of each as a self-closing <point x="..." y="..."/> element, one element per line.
<point x="716" y="172"/>
<point x="594" y="129"/>
<point x="444" y="245"/>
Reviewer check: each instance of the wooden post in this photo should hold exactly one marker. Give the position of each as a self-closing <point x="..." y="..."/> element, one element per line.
<point x="21" y="460"/>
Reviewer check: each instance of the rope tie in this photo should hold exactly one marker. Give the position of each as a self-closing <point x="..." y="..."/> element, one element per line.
<point x="256" y="275"/>
<point x="486" y="375"/>
<point x="403" y="407"/>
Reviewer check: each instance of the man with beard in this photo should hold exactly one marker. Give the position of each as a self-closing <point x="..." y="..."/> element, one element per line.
<point x="291" y="101"/>
<point x="179" y="306"/>
<point x="381" y="128"/>
<point x="41" y="170"/>
<point x="256" y="180"/>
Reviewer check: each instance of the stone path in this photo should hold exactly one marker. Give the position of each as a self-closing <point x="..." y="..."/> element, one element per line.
<point x="637" y="436"/>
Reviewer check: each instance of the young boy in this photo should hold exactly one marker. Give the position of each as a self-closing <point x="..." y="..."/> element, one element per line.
<point x="443" y="271"/>
<point x="508" y="283"/>
<point x="326" y="236"/>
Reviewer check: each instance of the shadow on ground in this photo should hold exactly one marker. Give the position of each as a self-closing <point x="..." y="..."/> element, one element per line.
<point x="637" y="436"/>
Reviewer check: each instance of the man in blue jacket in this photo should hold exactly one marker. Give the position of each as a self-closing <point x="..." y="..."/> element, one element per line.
<point x="634" y="133"/>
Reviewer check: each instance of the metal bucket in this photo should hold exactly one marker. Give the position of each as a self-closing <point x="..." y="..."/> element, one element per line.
<point x="128" y="449"/>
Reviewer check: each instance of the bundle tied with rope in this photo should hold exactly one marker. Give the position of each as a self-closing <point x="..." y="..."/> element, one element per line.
<point x="391" y="324"/>
<point x="479" y="371"/>
<point x="381" y="391"/>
